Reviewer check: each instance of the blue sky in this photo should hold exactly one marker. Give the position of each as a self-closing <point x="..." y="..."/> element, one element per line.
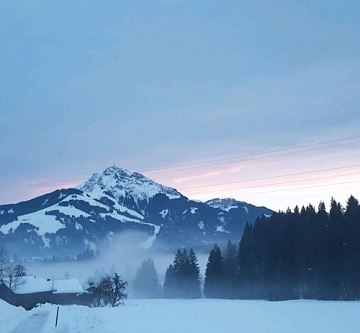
<point x="155" y="84"/>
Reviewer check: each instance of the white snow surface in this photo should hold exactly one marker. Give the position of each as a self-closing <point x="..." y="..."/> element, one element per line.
<point x="220" y="228"/>
<point x="190" y="316"/>
<point x="89" y="200"/>
<point x="224" y="204"/>
<point x="121" y="208"/>
<point x="119" y="217"/>
<point x="33" y="284"/>
<point x="44" y="223"/>
<point x="10" y="317"/>
<point x="193" y="210"/>
<point x="70" y="286"/>
<point x="164" y="212"/>
<point x="149" y="242"/>
<point x="121" y="182"/>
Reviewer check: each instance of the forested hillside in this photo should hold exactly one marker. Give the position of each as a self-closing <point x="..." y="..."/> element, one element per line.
<point x="300" y="253"/>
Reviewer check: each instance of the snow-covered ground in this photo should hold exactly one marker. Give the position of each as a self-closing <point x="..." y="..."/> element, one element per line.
<point x="188" y="316"/>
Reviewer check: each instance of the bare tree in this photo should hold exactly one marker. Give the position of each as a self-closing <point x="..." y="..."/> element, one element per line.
<point x="10" y="274"/>
<point x="15" y="276"/>
<point x="4" y="262"/>
<point x="113" y="289"/>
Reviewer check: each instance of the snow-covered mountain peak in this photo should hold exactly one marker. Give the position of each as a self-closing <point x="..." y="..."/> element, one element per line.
<point x="121" y="183"/>
<point x="71" y="221"/>
<point x="224" y="204"/>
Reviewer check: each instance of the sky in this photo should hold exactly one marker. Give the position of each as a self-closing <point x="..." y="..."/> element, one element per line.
<point x="257" y="100"/>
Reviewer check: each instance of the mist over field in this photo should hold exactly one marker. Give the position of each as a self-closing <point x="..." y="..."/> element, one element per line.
<point x="123" y="256"/>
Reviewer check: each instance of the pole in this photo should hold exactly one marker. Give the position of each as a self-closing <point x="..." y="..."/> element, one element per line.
<point x="57" y="316"/>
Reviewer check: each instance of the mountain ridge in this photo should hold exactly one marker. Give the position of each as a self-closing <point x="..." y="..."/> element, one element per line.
<point x="71" y="221"/>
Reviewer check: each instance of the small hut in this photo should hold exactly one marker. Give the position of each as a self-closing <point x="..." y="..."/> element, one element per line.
<point x="36" y="290"/>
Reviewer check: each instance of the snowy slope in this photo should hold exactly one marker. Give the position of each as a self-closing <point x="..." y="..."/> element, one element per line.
<point x="225" y="204"/>
<point x="11" y="316"/>
<point x="40" y="220"/>
<point x="53" y="218"/>
<point x="228" y="204"/>
<point x="72" y="221"/>
<point x="120" y="183"/>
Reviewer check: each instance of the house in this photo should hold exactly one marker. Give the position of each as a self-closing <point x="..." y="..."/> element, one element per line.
<point x="36" y="290"/>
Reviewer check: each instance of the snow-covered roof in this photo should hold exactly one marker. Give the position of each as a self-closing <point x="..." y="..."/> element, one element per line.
<point x="70" y="286"/>
<point x="33" y="284"/>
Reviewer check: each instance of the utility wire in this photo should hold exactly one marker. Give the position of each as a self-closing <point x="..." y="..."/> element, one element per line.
<point x="271" y="177"/>
<point x="217" y="161"/>
<point x="263" y="154"/>
<point x="292" y="181"/>
<point x="304" y="187"/>
<point x="45" y="185"/>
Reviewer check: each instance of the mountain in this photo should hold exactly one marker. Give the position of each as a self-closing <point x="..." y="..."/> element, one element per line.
<point x="120" y="183"/>
<point x="71" y="221"/>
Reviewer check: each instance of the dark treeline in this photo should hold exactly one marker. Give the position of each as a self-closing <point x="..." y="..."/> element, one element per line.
<point x="304" y="253"/>
<point x="182" y="279"/>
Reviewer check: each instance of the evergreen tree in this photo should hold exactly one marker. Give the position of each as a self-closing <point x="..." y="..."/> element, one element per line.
<point x="230" y="262"/>
<point x="352" y="212"/>
<point x="214" y="275"/>
<point x="302" y="254"/>
<point x="246" y="262"/>
<point x="170" y="286"/>
<point x="146" y="282"/>
<point x="335" y="215"/>
<point x="194" y="276"/>
<point x="182" y="279"/>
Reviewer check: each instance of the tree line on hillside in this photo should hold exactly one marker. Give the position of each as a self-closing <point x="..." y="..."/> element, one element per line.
<point x="304" y="253"/>
<point x="301" y="253"/>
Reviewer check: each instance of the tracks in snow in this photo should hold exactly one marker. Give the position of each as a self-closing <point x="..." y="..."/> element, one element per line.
<point x="32" y="324"/>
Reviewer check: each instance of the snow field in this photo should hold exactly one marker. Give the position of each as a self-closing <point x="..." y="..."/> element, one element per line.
<point x="195" y="316"/>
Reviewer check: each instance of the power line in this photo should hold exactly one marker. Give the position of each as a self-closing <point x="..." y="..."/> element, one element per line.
<point x="257" y="156"/>
<point x="292" y="181"/>
<point x="48" y="184"/>
<point x="304" y="187"/>
<point x="217" y="161"/>
<point x="271" y="177"/>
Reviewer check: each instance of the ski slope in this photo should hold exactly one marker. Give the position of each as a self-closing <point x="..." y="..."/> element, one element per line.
<point x="189" y="316"/>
